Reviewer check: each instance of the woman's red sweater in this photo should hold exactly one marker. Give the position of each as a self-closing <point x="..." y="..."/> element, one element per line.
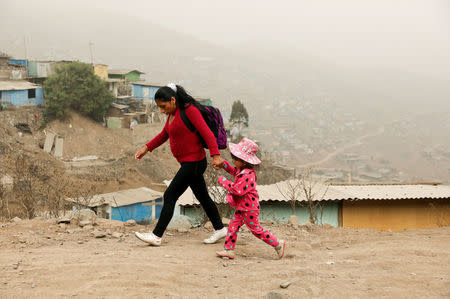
<point x="186" y="145"/>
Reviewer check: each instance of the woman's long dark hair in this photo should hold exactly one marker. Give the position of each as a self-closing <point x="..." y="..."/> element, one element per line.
<point x="182" y="98"/>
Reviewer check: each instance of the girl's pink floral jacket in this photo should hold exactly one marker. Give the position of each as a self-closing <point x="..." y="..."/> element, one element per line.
<point x="242" y="192"/>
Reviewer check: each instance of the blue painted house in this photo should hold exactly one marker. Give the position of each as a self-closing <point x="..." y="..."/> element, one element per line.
<point x="20" y="93"/>
<point x="22" y="62"/>
<point x="145" y="91"/>
<point x="142" y="205"/>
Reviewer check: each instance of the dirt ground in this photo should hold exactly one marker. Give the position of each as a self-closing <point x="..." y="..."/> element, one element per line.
<point x="41" y="259"/>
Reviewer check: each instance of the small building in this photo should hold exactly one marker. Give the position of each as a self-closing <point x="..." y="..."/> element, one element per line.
<point x="145" y="91"/>
<point x="11" y="69"/>
<point x="395" y="206"/>
<point x="142" y="205"/>
<point x="38" y="71"/>
<point x="125" y="75"/>
<point x="101" y="70"/>
<point x="114" y="85"/>
<point x="20" y="93"/>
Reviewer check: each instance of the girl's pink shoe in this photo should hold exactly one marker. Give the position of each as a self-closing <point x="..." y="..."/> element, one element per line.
<point x="280" y="248"/>
<point x="225" y="253"/>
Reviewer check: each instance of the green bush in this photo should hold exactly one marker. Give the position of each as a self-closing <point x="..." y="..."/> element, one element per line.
<point x="74" y="85"/>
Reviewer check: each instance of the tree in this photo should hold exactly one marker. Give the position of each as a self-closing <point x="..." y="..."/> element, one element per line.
<point x="74" y="85"/>
<point x="239" y="114"/>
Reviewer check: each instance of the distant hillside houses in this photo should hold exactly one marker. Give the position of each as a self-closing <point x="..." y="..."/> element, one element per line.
<point x="21" y="83"/>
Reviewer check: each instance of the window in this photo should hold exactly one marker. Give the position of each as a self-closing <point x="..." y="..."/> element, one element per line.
<point x="31" y="93"/>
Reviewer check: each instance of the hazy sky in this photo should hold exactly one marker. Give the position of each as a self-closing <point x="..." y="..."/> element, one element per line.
<point x="409" y="34"/>
<point x="412" y="35"/>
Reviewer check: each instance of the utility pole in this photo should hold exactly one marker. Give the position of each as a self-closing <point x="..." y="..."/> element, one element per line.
<point x="90" y="50"/>
<point x="25" y="46"/>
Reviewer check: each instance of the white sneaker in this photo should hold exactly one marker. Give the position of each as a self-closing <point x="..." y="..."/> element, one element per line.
<point x="149" y="238"/>
<point x="216" y="236"/>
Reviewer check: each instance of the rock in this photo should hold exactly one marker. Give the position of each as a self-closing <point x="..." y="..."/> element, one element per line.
<point x="182" y="230"/>
<point x="208" y="225"/>
<point x="225" y="221"/>
<point x="130" y="222"/>
<point x="293" y="220"/>
<point x="117" y="235"/>
<point x="180" y="222"/>
<point x="285" y="284"/>
<point x="63" y="225"/>
<point x="276" y="295"/>
<point x="98" y="234"/>
<point x="329" y="263"/>
<point x="82" y="215"/>
<point x="80" y="242"/>
<point x="84" y="223"/>
<point x="88" y="227"/>
<point x="16" y="219"/>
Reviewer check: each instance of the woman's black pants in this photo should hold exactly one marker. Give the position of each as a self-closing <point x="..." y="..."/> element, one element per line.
<point x="190" y="174"/>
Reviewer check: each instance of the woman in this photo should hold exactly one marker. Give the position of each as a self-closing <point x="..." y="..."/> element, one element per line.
<point x="186" y="147"/>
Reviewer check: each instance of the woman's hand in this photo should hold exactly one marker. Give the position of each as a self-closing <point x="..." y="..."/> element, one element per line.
<point x="217" y="162"/>
<point x="141" y="153"/>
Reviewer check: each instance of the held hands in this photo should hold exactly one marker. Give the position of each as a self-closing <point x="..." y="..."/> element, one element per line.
<point x="217" y="162"/>
<point x="141" y="153"/>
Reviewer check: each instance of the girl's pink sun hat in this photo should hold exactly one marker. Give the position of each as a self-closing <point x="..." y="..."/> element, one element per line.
<point x="245" y="150"/>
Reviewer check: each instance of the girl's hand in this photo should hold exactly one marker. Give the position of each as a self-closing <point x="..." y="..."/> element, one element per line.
<point x="141" y="153"/>
<point x="217" y="162"/>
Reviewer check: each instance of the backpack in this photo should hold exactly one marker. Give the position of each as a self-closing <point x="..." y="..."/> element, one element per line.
<point x="213" y="119"/>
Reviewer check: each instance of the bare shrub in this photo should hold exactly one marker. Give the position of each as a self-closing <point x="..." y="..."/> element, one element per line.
<point x="4" y="204"/>
<point x="291" y="191"/>
<point x="314" y="192"/>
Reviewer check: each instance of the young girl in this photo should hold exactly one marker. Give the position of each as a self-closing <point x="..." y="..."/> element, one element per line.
<point x="242" y="194"/>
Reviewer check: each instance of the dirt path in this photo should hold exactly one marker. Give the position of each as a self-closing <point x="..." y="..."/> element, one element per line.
<point x="40" y="259"/>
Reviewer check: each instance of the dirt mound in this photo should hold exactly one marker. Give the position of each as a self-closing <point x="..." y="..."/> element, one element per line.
<point x="85" y="137"/>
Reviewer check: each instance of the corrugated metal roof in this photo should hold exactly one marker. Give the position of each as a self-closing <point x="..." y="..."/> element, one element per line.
<point x="123" y="72"/>
<point x="377" y="192"/>
<point x="121" y="198"/>
<point x="119" y="106"/>
<point x="348" y="192"/>
<point x="145" y="83"/>
<point x="17" y="85"/>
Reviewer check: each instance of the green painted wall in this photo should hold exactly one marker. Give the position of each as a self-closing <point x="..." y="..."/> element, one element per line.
<point x="114" y="122"/>
<point x="133" y="76"/>
<point x="279" y="212"/>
